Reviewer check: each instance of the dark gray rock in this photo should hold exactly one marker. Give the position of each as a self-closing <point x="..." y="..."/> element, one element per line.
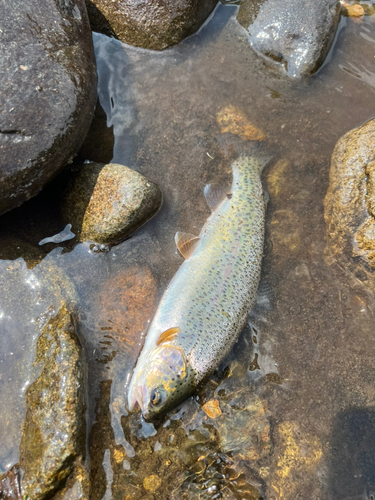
<point x="53" y="436"/>
<point x="296" y="35"/>
<point x="47" y="92"/>
<point x="151" y="24"/>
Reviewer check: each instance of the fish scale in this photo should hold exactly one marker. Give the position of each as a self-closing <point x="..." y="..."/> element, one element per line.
<point x="209" y="297"/>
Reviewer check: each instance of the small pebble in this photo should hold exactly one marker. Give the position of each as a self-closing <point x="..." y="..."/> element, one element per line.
<point x="353" y="10"/>
<point x="212" y="408"/>
<point x="119" y="455"/>
<point x="157" y="446"/>
<point x="152" y="483"/>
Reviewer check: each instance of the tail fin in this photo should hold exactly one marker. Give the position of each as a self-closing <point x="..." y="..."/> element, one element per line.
<point x="239" y="150"/>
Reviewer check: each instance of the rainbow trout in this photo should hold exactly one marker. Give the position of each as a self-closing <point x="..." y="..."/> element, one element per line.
<point x="205" y="306"/>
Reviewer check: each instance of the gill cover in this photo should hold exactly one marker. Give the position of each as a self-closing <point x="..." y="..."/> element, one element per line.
<point x="162" y="382"/>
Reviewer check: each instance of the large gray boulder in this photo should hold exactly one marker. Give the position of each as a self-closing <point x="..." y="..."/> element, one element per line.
<point x="151" y="24"/>
<point x="47" y="92"/>
<point x="294" y="35"/>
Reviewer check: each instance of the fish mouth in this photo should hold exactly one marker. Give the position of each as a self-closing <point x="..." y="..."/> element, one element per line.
<point x="135" y="397"/>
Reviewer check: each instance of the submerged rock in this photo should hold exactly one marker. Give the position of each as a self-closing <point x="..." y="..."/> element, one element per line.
<point x="349" y="206"/>
<point x="231" y="119"/>
<point x="125" y="304"/>
<point x="29" y="298"/>
<point x="149" y="24"/>
<point x="298" y="455"/>
<point x="54" y="431"/>
<point x="353" y="10"/>
<point x="47" y="92"/>
<point x="105" y="203"/>
<point x="294" y="35"/>
<point x="243" y="428"/>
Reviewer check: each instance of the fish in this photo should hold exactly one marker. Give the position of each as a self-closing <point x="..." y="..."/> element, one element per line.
<point x="205" y="306"/>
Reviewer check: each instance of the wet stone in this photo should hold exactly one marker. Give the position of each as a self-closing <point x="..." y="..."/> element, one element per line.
<point x="54" y="429"/>
<point x="105" y="203"/>
<point x="353" y="10"/>
<point x="231" y="119"/>
<point x="349" y="206"/>
<point x="212" y="408"/>
<point x="149" y="24"/>
<point x="10" y="484"/>
<point x="48" y="93"/>
<point x="244" y="429"/>
<point x="28" y="300"/>
<point x="294" y="36"/>
<point x="125" y="304"/>
<point x="152" y="483"/>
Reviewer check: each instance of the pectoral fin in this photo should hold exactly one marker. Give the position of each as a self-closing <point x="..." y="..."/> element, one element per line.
<point x="186" y="243"/>
<point x="215" y="194"/>
<point x="168" y="335"/>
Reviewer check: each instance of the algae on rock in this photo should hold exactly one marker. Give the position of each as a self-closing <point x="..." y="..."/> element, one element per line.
<point x="53" y="435"/>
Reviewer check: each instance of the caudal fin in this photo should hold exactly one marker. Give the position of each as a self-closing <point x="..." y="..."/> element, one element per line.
<point x="239" y="150"/>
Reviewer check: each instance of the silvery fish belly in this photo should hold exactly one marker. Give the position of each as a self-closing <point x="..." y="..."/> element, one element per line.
<point x="206" y="304"/>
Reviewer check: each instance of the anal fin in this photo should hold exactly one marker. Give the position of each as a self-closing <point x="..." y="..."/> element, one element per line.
<point x="186" y="243"/>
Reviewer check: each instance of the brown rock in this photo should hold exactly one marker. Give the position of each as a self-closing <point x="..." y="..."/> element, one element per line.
<point x="353" y="10"/>
<point x="105" y="203"/>
<point x="54" y="431"/>
<point x="126" y="303"/>
<point x="151" y="24"/>
<point x="349" y="206"/>
<point x="231" y="119"/>
<point x="152" y="483"/>
<point x="212" y="408"/>
<point x="298" y="454"/>
<point x="244" y="428"/>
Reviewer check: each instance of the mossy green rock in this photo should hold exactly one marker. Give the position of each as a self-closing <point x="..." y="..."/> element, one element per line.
<point x="105" y="203"/>
<point x="54" y="430"/>
<point x="148" y="23"/>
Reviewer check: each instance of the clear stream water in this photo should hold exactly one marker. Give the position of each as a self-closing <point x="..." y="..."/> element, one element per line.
<point x="297" y="392"/>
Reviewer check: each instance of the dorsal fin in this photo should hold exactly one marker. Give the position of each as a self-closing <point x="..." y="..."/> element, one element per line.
<point x="215" y="194"/>
<point x="186" y="243"/>
<point x="169" y="334"/>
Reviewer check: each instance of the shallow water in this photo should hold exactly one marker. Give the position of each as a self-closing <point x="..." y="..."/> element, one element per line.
<point x="297" y="393"/>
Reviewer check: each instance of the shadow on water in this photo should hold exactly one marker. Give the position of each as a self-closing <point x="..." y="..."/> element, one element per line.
<point x="352" y="461"/>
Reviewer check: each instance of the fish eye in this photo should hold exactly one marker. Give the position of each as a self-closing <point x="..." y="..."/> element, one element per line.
<point x="156" y="397"/>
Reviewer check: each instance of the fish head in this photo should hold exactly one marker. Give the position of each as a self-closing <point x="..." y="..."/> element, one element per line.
<point x="161" y="382"/>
